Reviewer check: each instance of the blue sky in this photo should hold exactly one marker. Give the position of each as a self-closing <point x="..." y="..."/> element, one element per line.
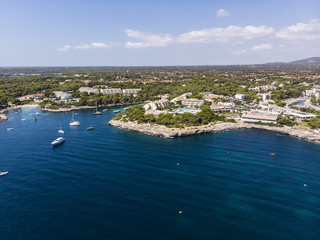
<point x="149" y="33"/>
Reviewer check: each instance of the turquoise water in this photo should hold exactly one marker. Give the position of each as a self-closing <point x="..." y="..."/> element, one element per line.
<point x="113" y="184"/>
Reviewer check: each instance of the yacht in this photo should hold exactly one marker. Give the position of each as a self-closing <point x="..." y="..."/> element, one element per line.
<point x="73" y="122"/>
<point x="60" y="130"/>
<point x="58" y="141"/>
<point x="95" y="111"/>
<point x="10" y="129"/>
<point x="4" y="173"/>
<point x="90" y="128"/>
<point x="37" y="113"/>
<point x="116" y="111"/>
<point x="23" y="119"/>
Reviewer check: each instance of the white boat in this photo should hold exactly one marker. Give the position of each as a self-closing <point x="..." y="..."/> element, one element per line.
<point x="59" y="140"/>
<point x="23" y="119"/>
<point x="37" y="113"/>
<point x="60" y="130"/>
<point x="116" y="111"/>
<point x="90" y="128"/>
<point x="73" y="122"/>
<point x="4" y="173"/>
<point x="95" y="111"/>
<point x="10" y="129"/>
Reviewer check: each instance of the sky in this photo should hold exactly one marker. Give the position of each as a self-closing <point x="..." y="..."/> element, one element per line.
<point x="157" y="33"/>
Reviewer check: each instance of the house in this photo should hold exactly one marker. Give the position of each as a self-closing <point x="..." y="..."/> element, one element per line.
<point x="192" y="102"/>
<point x="240" y="97"/>
<point x="62" y="95"/>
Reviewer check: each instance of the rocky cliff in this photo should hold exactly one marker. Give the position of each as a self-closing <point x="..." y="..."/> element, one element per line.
<point x="162" y="131"/>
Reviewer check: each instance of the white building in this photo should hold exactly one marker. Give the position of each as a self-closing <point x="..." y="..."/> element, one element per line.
<point x="264" y="88"/>
<point x="131" y="91"/>
<point x="192" y="102"/>
<point x="156" y="105"/>
<point x="300" y="115"/>
<point x="312" y="92"/>
<point x="222" y="107"/>
<point x="88" y="90"/>
<point x="182" y="97"/>
<point x="259" y="117"/>
<point x="111" y="91"/>
<point x="62" y="95"/>
<point x="240" y="96"/>
<point x="265" y="97"/>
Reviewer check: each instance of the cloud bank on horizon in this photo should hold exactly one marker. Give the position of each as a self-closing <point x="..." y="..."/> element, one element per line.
<point x="309" y="31"/>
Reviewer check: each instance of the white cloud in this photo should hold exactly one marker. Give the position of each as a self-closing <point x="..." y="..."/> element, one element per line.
<point x="64" y="48"/>
<point x="223" y="13"/>
<point x="148" y="39"/>
<point x="262" y="47"/>
<point x="301" y="31"/>
<point x="89" y="46"/>
<point x="239" y="52"/>
<point x="225" y="34"/>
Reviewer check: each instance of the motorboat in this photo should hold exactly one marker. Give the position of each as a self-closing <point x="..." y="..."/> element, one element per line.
<point x="37" y="113"/>
<point x="4" y="173"/>
<point x="116" y="111"/>
<point x="90" y="128"/>
<point x="73" y="122"/>
<point x="58" y="141"/>
<point x="10" y="129"/>
<point x="23" y="119"/>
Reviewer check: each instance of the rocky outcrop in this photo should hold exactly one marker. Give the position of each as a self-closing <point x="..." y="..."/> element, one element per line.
<point x="162" y="131"/>
<point x="3" y="118"/>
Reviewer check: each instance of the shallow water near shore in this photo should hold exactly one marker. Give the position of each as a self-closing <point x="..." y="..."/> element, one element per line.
<point x="113" y="184"/>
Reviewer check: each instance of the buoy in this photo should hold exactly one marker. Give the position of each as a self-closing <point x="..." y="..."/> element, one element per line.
<point x="178" y="164"/>
<point x="305" y="185"/>
<point x="180" y="212"/>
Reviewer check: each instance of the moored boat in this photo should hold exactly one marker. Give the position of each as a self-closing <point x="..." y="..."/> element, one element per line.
<point x="90" y="128"/>
<point x="116" y="111"/>
<point x="73" y="122"/>
<point x="10" y="129"/>
<point x="58" y="141"/>
<point x="4" y="173"/>
<point x="95" y="111"/>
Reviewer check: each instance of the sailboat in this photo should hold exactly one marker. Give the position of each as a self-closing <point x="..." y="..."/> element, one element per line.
<point x="95" y="111"/>
<point x="73" y="122"/>
<point x="60" y="130"/>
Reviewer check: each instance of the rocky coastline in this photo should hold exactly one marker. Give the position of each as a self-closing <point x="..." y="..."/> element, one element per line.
<point x="162" y="131"/>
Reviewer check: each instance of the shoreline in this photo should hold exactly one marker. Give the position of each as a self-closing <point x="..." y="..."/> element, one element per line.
<point x="162" y="131"/>
<point x="64" y="109"/>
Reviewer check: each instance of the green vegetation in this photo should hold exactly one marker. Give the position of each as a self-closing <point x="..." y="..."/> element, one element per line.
<point x="265" y="124"/>
<point x="286" y="120"/>
<point x="205" y="116"/>
<point x="314" y="122"/>
<point x="280" y="103"/>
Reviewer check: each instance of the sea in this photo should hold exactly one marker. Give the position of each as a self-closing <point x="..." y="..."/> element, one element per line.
<point x="109" y="183"/>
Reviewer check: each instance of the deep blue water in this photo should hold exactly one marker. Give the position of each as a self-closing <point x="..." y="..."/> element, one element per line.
<point x="113" y="184"/>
